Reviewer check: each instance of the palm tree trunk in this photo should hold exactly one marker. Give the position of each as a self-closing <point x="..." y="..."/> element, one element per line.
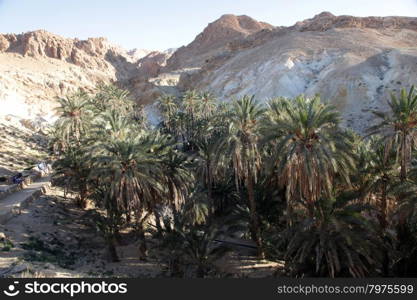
<point x="209" y="188"/>
<point x="256" y="230"/>
<point x="157" y="219"/>
<point x="143" y="249"/>
<point x="172" y="201"/>
<point x="83" y="197"/>
<point x="112" y="250"/>
<point x="403" y="174"/>
<point x="200" y="271"/>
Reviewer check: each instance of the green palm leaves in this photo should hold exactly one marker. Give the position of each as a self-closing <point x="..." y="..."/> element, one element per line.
<point x="302" y="179"/>
<point x="116" y="161"/>
<point x="75" y="117"/>
<point x="242" y="139"/>
<point x="398" y="126"/>
<point x="334" y="241"/>
<point x="131" y="171"/>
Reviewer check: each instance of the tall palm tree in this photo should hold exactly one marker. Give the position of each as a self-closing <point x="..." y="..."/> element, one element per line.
<point x="309" y="149"/>
<point x="175" y="173"/>
<point x="276" y="107"/>
<point x="207" y="165"/>
<point x="207" y="105"/>
<point x="112" y="125"/>
<point x="74" y="116"/>
<point x="168" y="107"/>
<point x="74" y="169"/>
<point x="241" y="145"/>
<point x="399" y="127"/>
<point x="132" y="172"/>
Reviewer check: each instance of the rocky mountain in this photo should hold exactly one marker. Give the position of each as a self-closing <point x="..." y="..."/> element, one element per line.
<point x="214" y="39"/>
<point x="352" y="62"/>
<point x="36" y="67"/>
<point x="162" y="71"/>
<point x="136" y="54"/>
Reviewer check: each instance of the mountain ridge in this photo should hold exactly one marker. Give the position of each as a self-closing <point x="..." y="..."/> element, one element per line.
<point x="352" y="61"/>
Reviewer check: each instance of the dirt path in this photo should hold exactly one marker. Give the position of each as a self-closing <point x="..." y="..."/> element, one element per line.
<point x="12" y="204"/>
<point x="52" y="237"/>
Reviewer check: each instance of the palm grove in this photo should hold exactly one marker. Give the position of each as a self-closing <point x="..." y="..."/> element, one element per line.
<point x="285" y="174"/>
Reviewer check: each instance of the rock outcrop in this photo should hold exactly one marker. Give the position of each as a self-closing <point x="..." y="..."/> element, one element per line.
<point x="325" y="21"/>
<point x="36" y="67"/>
<point x="214" y="39"/>
<point x="93" y="53"/>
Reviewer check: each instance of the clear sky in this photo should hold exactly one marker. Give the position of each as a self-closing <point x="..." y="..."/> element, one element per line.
<point x="164" y="24"/>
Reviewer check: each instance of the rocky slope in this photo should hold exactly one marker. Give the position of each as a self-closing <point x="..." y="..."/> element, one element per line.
<point x="350" y="61"/>
<point x="36" y="67"/>
<point x="163" y="73"/>
<point x="214" y="39"/>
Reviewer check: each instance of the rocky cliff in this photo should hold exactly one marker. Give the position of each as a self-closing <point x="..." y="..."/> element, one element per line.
<point x="36" y="67"/>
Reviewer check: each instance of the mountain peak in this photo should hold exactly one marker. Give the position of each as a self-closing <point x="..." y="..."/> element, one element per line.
<point x="324" y="14"/>
<point x="214" y="38"/>
<point x="326" y="20"/>
<point x="228" y="27"/>
<point x="243" y="24"/>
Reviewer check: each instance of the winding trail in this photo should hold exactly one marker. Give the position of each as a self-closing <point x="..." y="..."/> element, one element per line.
<point x="12" y="204"/>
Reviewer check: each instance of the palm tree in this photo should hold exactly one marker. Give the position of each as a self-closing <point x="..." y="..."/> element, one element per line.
<point x="189" y="246"/>
<point x="73" y="169"/>
<point x="241" y="145"/>
<point x="133" y="174"/>
<point x="190" y="103"/>
<point x="208" y="162"/>
<point x="275" y="108"/>
<point x="176" y="175"/>
<point x="376" y="174"/>
<point x="309" y="149"/>
<point x="208" y="104"/>
<point x="336" y="240"/>
<point x="112" y="98"/>
<point x="112" y="125"/>
<point x="205" y="160"/>
<point x="399" y="127"/>
<point x="74" y="117"/>
<point x="168" y="107"/>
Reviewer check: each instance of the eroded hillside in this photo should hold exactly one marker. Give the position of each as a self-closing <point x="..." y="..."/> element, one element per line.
<point x="352" y="62"/>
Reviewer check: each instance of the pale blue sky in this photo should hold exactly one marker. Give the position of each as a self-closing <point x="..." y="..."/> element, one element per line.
<point x="164" y="24"/>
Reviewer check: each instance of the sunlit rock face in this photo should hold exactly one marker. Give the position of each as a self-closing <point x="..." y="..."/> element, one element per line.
<point x="351" y="62"/>
<point x="37" y="67"/>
